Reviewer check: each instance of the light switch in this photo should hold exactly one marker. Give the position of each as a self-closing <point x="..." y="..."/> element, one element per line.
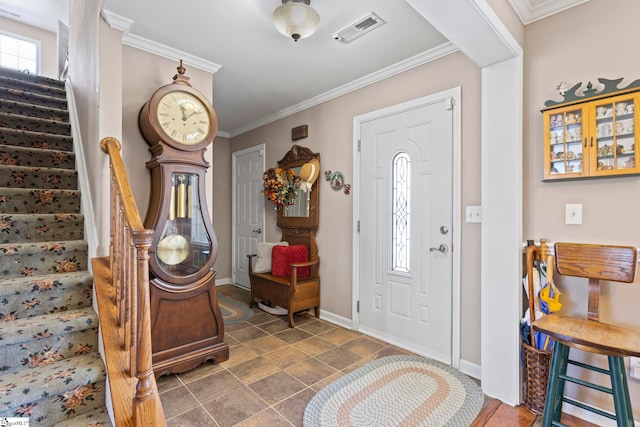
<point x="473" y="214"/>
<point x="573" y="214"/>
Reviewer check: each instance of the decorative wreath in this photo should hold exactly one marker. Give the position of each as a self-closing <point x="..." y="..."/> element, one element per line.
<point x="281" y="186"/>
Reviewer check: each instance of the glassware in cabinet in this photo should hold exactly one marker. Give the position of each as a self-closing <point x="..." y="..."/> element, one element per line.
<point x="564" y="154"/>
<point x="615" y="135"/>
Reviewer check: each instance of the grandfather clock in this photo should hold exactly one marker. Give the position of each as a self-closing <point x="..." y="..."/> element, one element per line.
<point x="187" y="328"/>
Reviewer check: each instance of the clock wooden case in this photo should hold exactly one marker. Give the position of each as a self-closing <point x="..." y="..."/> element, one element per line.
<point x="187" y="328"/>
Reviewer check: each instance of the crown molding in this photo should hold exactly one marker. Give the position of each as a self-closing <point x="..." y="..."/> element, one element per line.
<point x="223" y="134"/>
<point x="124" y="24"/>
<point x="116" y="21"/>
<point x="541" y="9"/>
<point x="169" y="53"/>
<point x="390" y="71"/>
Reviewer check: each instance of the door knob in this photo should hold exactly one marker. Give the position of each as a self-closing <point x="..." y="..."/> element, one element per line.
<point x="444" y="229"/>
<point x="442" y="248"/>
<point x="259" y="230"/>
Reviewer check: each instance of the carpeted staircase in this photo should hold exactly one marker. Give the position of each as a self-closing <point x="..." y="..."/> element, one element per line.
<point x="50" y="369"/>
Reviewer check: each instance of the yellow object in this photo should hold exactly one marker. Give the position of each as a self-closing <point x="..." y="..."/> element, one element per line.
<point x="553" y="302"/>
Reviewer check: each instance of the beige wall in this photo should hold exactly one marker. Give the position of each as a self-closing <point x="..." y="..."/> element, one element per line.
<point x="579" y="45"/>
<point x="222" y="205"/>
<point x="331" y="135"/>
<point x="48" y="44"/>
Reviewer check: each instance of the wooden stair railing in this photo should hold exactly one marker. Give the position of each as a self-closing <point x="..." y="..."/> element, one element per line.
<point x="122" y="289"/>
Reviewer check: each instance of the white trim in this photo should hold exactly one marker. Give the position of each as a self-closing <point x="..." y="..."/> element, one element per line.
<point x="263" y="149"/>
<point x="472" y="369"/>
<point x="169" y="53"/>
<point x="224" y="281"/>
<point x="456" y="94"/>
<point x="501" y="229"/>
<point x="336" y="319"/>
<point x="124" y="24"/>
<point x="529" y="14"/>
<point x="116" y="21"/>
<point x="86" y="200"/>
<point x="402" y="66"/>
<point x="223" y="134"/>
<point x="498" y="27"/>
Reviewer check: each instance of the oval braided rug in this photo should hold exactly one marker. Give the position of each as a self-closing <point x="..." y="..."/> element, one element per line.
<point x="397" y="390"/>
<point x="233" y="311"/>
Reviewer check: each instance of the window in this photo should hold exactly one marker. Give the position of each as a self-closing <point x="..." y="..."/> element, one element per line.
<point x="18" y="54"/>
<point x="400" y="205"/>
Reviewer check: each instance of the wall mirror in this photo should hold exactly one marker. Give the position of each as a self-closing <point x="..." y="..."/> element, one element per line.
<point x="304" y="213"/>
<point x="301" y="206"/>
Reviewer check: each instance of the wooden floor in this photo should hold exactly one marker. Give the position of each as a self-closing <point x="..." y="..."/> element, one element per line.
<point x="498" y="414"/>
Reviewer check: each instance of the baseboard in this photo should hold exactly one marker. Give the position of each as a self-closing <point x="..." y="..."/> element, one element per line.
<point x="469" y="368"/>
<point x="336" y="319"/>
<point x="591" y="417"/>
<point x="472" y="369"/>
<point x="224" y="281"/>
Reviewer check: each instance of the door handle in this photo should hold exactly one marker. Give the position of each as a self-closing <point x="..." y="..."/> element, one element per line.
<point x="442" y="248"/>
<point x="259" y="230"/>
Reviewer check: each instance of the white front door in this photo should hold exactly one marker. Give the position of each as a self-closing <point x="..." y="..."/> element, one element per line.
<point x="248" y="209"/>
<point x="405" y="261"/>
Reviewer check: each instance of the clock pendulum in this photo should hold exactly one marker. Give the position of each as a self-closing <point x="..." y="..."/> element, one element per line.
<point x="187" y="328"/>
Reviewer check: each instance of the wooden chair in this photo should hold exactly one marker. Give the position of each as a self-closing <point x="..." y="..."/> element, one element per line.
<point x="595" y="262"/>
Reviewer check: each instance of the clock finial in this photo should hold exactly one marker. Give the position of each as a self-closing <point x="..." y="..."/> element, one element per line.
<point x="180" y="77"/>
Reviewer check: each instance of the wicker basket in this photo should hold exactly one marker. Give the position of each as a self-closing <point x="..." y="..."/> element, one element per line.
<point x="537" y="364"/>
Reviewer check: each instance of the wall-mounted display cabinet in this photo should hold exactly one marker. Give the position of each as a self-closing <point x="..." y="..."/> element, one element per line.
<point x="596" y="137"/>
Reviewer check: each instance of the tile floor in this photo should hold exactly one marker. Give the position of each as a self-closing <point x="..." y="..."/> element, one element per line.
<point x="272" y="372"/>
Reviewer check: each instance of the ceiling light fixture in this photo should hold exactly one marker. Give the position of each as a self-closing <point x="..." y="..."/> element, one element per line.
<point x="296" y="19"/>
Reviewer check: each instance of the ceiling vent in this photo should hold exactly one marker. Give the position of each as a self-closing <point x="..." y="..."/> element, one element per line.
<point x="358" y="28"/>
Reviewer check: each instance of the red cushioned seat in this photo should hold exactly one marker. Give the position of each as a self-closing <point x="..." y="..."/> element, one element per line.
<point x="283" y="256"/>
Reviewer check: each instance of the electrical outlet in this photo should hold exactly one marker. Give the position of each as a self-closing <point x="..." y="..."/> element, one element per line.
<point x="634" y="367"/>
<point x="473" y="214"/>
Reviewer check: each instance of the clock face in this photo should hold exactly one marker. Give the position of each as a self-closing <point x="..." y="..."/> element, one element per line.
<point x="183" y="117"/>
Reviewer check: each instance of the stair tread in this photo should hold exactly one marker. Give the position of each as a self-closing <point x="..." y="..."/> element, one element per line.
<point x="37" y="107"/>
<point x="56" y="90"/>
<point x="41" y="168"/>
<point x="31" y="78"/>
<point x="11" y="284"/>
<point x="26" y="191"/>
<point x="34" y="119"/>
<point x="41" y="217"/>
<point x="8" y="91"/>
<point x="36" y="327"/>
<point x="32" y="384"/>
<point x="38" y="247"/>
<point x="33" y="200"/>
<point x="95" y="418"/>
<point x="13" y="155"/>
<point x="36" y="134"/>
